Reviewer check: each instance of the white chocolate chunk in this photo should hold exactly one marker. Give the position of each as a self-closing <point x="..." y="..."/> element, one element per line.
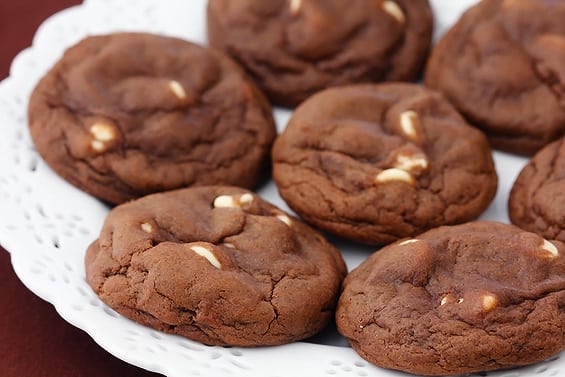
<point x="147" y="228"/>
<point x="394" y="175"/>
<point x="550" y="248"/>
<point x="229" y="245"/>
<point x="224" y="201"/>
<point x="444" y="300"/>
<point x="409" y="122"/>
<point x="102" y="133"/>
<point x="295" y="6"/>
<point x="460" y="301"/>
<point x="98" y="146"/>
<point x="489" y="302"/>
<point x="407" y="242"/>
<point x="394" y="10"/>
<point x="228" y="201"/>
<point x="206" y="253"/>
<point x="246" y="198"/>
<point x="177" y="89"/>
<point x="285" y="219"/>
<point x="410" y="163"/>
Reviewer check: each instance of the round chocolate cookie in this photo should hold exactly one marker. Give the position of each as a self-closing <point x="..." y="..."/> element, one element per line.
<point x="294" y="48"/>
<point x="125" y="115"/>
<point x="537" y="199"/>
<point x="467" y="298"/>
<point x="502" y="66"/>
<point x="217" y="265"/>
<point x="375" y="163"/>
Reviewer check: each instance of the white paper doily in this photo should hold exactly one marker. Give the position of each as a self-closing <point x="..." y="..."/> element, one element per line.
<point x="46" y="224"/>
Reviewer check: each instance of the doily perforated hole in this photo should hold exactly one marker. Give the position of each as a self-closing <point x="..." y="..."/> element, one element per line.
<point x="156" y="335"/>
<point x="32" y="164"/>
<point x="77" y="307"/>
<point x="56" y="243"/>
<point x="192" y="346"/>
<point x="110" y="312"/>
<point x="362" y="373"/>
<point x="360" y="364"/>
<point x="331" y="372"/>
<point x="236" y="352"/>
<point x="239" y="364"/>
<point x="346" y="368"/>
<point x="52" y="277"/>
<point x="83" y="292"/>
<point x="335" y="363"/>
<point x="215" y="355"/>
<point x="542" y="369"/>
<point x="94" y="302"/>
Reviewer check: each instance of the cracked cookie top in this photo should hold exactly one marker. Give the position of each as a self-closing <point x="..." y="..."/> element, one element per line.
<point x="375" y="163"/>
<point x="294" y="48"/>
<point x="459" y="299"/>
<point x="217" y="265"/>
<point x="124" y="115"/>
<point x="502" y="66"/>
<point x="537" y="199"/>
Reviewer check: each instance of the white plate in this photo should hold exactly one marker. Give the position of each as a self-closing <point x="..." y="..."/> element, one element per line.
<point x="47" y="224"/>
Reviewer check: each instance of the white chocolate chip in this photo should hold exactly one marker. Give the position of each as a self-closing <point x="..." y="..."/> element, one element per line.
<point x="394" y="10"/>
<point x="394" y="175"/>
<point x="550" y="248"/>
<point x="407" y="242"/>
<point x="206" y="253"/>
<point x="224" y="201"/>
<point x="410" y="163"/>
<point x="102" y="134"/>
<point x="489" y="302"/>
<point x="285" y="219"/>
<point x="410" y="124"/>
<point x="444" y="300"/>
<point x="98" y="146"/>
<point x="229" y="245"/>
<point x="103" y="131"/>
<point x="460" y="301"/>
<point x="228" y="201"/>
<point x="147" y="228"/>
<point x="295" y="6"/>
<point x="246" y="198"/>
<point x="177" y="89"/>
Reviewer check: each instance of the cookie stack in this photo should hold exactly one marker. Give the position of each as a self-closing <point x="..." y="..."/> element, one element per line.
<point x="177" y="135"/>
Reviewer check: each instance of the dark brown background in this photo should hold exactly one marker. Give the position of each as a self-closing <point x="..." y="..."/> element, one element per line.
<point x="34" y="340"/>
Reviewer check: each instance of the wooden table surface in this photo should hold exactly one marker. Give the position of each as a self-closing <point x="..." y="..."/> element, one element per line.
<point x="34" y="340"/>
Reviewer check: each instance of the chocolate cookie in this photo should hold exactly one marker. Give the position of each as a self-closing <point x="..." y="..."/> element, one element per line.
<point x="375" y="163"/>
<point x="125" y="115"/>
<point x="502" y="66"/>
<point x="294" y="48"/>
<point x="217" y="265"/>
<point x="468" y="298"/>
<point x="537" y="199"/>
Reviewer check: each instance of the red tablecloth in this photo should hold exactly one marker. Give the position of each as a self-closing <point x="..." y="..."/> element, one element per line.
<point x="34" y="340"/>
